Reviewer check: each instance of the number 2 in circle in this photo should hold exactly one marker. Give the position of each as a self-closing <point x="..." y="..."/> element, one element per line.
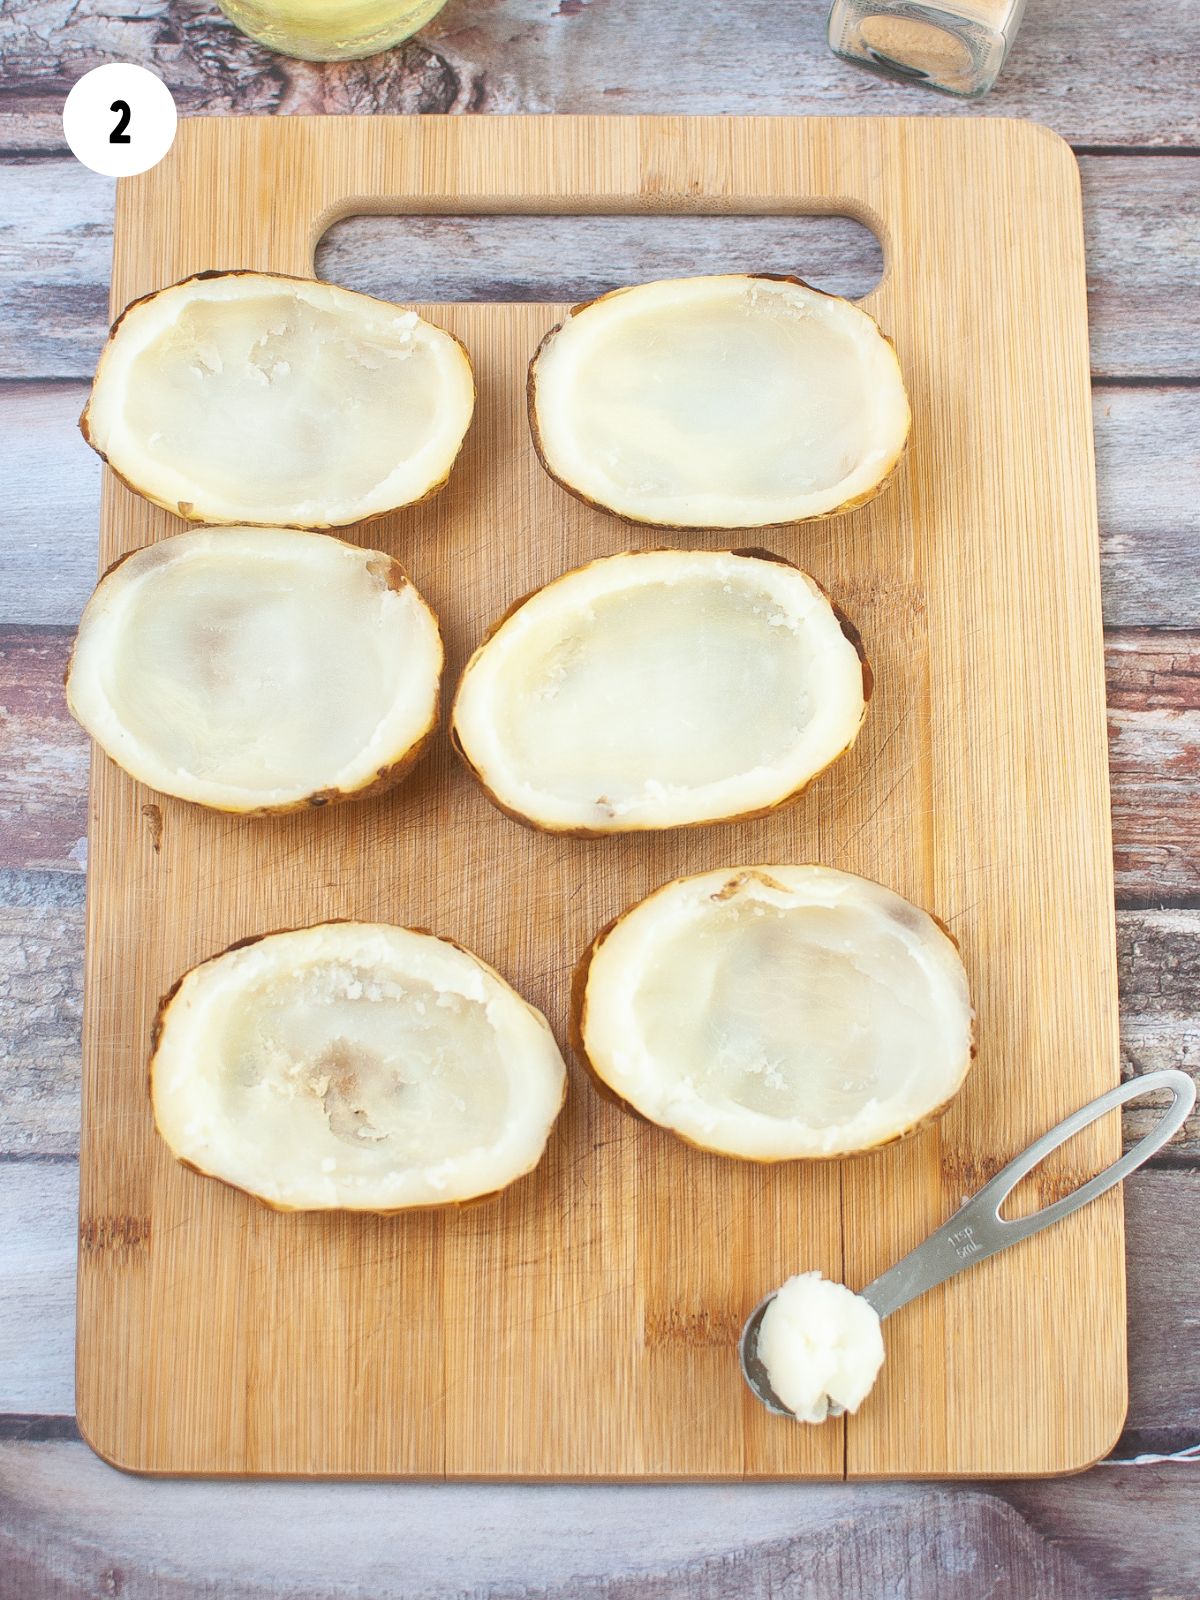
<point x="118" y="135"/>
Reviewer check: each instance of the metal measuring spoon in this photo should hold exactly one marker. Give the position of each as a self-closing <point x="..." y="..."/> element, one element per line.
<point x="977" y="1230"/>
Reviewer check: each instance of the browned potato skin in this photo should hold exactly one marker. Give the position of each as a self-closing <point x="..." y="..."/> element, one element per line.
<point x="675" y="527"/>
<point x="156" y="1032"/>
<point x="385" y="778"/>
<point x="848" y="628"/>
<point x="185" y="508"/>
<point x="577" y="1031"/>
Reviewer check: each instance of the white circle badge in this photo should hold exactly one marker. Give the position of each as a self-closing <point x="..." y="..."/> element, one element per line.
<point x="120" y="120"/>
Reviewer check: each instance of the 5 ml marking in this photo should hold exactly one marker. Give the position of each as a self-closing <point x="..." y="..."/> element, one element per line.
<point x="964" y="1243"/>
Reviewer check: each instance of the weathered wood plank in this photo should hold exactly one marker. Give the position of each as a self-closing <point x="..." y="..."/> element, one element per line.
<point x="41" y="1002"/>
<point x="56" y="250"/>
<point x="1158" y="955"/>
<point x="39" y="1202"/>
<point x="1154" y="759"/>
<point x="1148" y="483"/>
<point x="1117" y="74"/>
<point x="1143" y="259"/>
<point x="56" y="1501"/>
<point x="43" y="754"/>
<point x="1130" y="1528"/>
<point x="1163" y="1249"/>
<point x="1154" y="719"/>
<point x="1140" y="216"/>
<point x="51" y="503"/>
<point x="70" y="1526"/>
<point x="41" y="965"/>
<point x="1147" y="468"/>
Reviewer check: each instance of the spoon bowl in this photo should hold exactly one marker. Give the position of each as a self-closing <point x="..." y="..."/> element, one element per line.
<point x="753" y="1370"/>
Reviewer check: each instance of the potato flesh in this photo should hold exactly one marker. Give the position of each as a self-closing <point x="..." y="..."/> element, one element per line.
<point x="383" y="1065"/>
<point x="820" y="1045"/>
<point x="657" y="689"/>
<point x="652" y="687"/>
<point x="255" y="667"/>
<point x="256" y="399"/>
<point x="779" y="1012"/>
<point x="219" y="361"/>
<point x="720" y="402"/>
<point x="355" y="1066"/>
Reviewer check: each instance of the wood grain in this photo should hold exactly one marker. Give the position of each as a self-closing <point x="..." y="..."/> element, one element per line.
<point x="1147" y="478"/>
<point x="950" y="620"/>
<point x="1113" y="74"/>
<point x="70" y="1527"/>
<point x="1154" y="759"/>
<point x="41" y="1001"/>
<point x="1159" y="956"/>
<point x="41" y="1004"/>
<point x="67" y="1525"/>
<point x="43" y="754"/>
<point x="1141" y="217"/>
<point x="37" y="1289"/>
<point x="1148" y="484"/>
<point x="51" y="504"/>
<point x="39" y="1202"/>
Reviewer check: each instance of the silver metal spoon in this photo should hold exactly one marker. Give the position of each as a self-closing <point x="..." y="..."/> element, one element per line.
<point x="977" y="1230"/>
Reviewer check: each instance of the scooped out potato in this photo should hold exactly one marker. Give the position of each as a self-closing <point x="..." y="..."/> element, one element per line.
<point x="661" y="688"/>
<point x="354" y="1066"/>
<point x="258" y="669"/>
<point x="248" y="397"/>
<point x="777" y="1012"/>
<point x="719" y="402"/>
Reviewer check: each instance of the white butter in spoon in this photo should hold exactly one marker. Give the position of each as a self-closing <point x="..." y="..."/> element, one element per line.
<point x="821" y="1345"/>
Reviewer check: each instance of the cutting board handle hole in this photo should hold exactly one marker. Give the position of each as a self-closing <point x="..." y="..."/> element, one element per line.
<point x="556" y="258"/>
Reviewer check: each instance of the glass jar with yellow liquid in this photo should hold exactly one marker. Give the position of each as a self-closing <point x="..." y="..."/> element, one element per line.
<point x="330" y="30"/>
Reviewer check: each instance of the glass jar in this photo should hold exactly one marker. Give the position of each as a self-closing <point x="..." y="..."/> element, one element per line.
<point x="957" y="46"/>
<point x="330" y="30"/>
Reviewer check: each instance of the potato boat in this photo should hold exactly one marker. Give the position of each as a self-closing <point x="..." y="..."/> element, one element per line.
<point x="354" y="1066"/>
<point x="777" y="1013"/>
<point x="258" y="669"/>
<point x="661" y="688"/>
<point x="719" y="402"/>
<point x="248" y="397"/>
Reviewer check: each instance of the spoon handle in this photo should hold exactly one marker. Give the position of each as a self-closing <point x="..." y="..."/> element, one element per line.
<point x="977" y="1229"/>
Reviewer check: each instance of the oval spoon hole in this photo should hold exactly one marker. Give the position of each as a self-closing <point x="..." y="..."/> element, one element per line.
<point x="1062" y="1170"/>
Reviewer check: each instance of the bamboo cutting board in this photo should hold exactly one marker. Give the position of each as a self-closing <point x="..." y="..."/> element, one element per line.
<point x="586" y="1324"/>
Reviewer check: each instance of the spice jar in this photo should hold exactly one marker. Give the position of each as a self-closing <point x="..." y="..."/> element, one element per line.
<point x="958" y="47"/>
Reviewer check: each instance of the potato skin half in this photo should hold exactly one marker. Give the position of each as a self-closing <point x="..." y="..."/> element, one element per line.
<point x="535" y="432"/>
<point x="156" y="1031"/>
<point x="185" y="508"/>
<point x="848" y="628"/>
<point x="384" y="779"/>
<point x="577" y="1025"/>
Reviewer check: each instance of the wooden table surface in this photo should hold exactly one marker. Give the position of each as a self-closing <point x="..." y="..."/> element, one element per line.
<point x="1117" y="80"/>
